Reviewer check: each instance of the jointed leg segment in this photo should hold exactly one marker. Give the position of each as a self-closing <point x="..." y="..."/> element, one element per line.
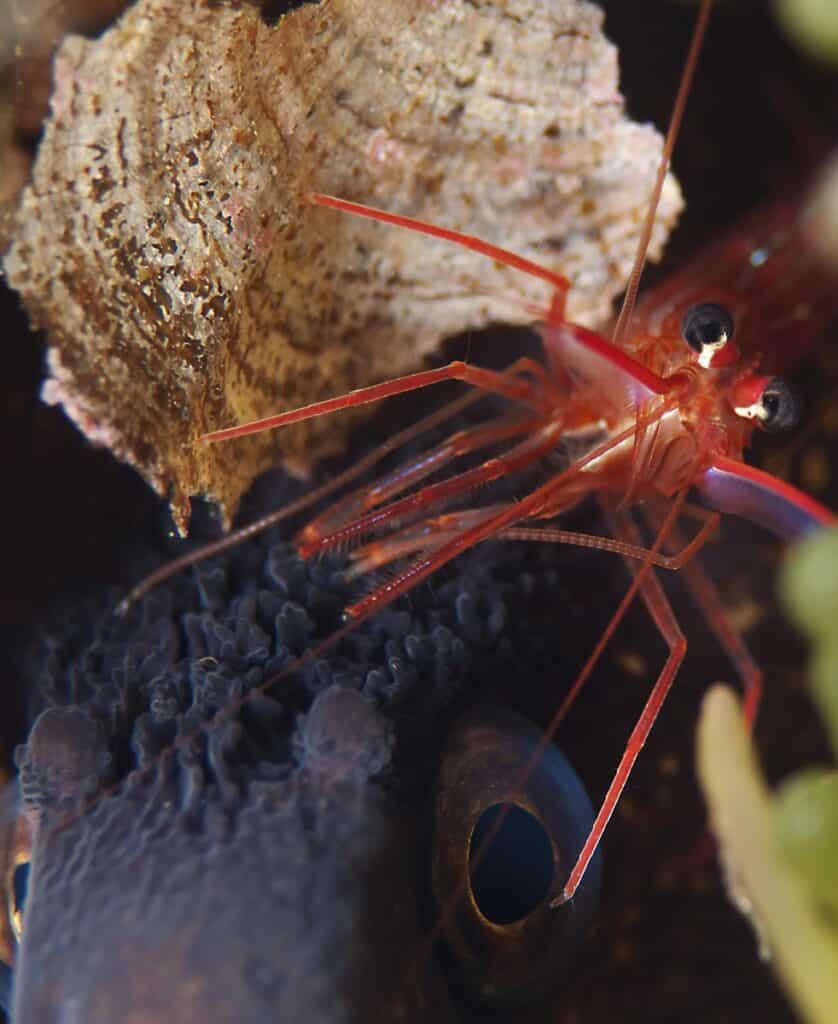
<point x="659" y="608"/>
<point x="506" y="383"/>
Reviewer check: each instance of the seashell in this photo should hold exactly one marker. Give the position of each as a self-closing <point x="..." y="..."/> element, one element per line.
<point x="164" y="245"/>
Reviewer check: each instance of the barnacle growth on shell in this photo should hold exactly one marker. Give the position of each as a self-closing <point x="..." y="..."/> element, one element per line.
<point x="184" y="285"/>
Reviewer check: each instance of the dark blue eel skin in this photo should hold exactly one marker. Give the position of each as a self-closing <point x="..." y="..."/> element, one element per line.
<point x="272" y="870"/>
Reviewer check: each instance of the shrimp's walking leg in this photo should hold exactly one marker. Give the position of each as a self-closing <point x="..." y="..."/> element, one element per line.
<point x="649" y="556"/>
<point x="659" y="608"/>
<point x="552" y="535"/>
<point x="491" y="469"/>
<point x="533" y="505"/>
<point x="325" y="531"/>
<point x="706" y="596"/>
<point x="500" y="382"/>
<point x="424" y="538"/>
<point x="429" y="532"/>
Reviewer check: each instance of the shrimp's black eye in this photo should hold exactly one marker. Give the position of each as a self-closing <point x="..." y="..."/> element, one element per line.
<point x="780" y="405"/>
<point x="769" y="401"/>
<point x="506" y="835"/>
<point x="707" y="328"/>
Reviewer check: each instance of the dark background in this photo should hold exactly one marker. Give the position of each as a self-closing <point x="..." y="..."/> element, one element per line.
<point x="667" y="945"/>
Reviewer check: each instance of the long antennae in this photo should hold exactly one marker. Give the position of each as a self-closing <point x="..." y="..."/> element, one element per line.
<point x="668" y="147"/>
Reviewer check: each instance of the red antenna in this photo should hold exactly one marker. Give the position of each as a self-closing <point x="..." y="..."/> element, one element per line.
<point x="668" y="147"/>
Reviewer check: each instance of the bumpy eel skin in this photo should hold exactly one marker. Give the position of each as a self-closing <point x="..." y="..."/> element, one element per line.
<point x="240" y="882"/>
<point x="268" y="871"/>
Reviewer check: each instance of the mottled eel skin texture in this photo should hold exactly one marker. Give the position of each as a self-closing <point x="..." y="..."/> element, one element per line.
<point x="267" y="872"/>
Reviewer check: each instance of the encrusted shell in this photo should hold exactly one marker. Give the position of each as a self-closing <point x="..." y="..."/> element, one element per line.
<point x="185" y="285"/>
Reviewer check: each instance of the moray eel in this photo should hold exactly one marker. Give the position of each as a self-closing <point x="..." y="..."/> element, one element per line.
<point x="289" y="863"/>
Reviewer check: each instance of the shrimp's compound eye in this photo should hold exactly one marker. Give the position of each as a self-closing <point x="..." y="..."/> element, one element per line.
<point x="769" y="401"/>
<point x="781" y="407"/>
<point x="708" y="328"/>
